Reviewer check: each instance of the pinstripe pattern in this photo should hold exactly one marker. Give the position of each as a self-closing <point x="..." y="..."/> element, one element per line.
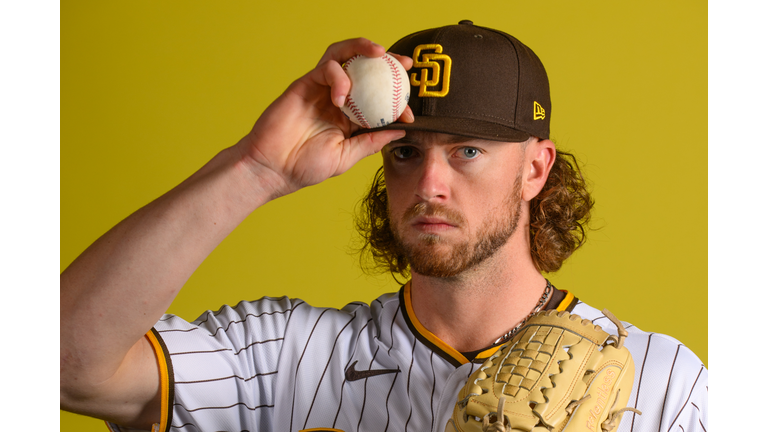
<point x="278" y="364"/>
<point x="670" y="386"/>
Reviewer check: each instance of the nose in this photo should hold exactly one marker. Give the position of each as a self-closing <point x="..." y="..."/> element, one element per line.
<point x="434" y="175"/>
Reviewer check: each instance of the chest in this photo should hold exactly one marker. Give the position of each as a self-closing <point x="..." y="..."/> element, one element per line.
<point x="368" y="387"/>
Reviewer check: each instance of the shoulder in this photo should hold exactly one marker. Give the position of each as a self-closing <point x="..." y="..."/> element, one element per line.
<point x="244" y="313"/>
<point x="671" y="383"/>
<point x="272" y="312"/>
<point x="641" y="343"/>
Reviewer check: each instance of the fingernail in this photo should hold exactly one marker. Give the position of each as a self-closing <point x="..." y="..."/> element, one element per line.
<point x="340" y="101"/>
<point x="407" y="116"/>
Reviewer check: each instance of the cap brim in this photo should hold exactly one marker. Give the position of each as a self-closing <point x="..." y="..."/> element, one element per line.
<point x="457" y="126"/>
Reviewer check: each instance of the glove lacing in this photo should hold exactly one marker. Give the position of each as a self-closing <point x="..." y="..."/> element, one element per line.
<point x="501" y="423"/>
<point x="610" y="422"/>
<point x="623" y="333"/>
<point x="572" y="406"/>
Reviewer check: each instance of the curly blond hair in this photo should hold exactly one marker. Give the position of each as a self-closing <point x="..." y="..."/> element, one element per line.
<point x="559" y="218"/>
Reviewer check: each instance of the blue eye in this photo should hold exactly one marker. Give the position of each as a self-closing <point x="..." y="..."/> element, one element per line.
<point x="403" y="152"/>
<point x="470" y="152"/>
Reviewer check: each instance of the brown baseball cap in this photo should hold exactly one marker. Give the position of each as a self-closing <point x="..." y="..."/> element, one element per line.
<point x="475" y="81"/>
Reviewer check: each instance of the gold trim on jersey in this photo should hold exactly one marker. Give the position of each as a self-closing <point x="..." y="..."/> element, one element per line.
<point x="446" y="351"/>
<point x="321" y="430"/>
<point x="566" y="302"/>
<point x="165" y="380"/>
<point x="487" y="353"/>
<point x="434" y="340"/>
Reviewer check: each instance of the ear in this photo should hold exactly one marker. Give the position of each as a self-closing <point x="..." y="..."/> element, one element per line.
<point x="539" y="158"/>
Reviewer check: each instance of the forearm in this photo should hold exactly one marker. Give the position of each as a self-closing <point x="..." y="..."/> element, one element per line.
<point x="116" y="290"/>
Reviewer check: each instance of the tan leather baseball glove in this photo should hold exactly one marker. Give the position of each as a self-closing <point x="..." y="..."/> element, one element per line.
<point x="557" y="371"/>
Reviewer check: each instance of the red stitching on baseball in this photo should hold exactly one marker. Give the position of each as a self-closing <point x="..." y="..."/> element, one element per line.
<point x="356" y="112"/>
<point x="397" y="87"/>
<point x="350" y="103"/>
<point x="347" y="63"/>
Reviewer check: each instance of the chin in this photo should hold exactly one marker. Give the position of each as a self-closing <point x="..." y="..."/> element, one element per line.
<point x="438" y="258"/>
<point x="430" y="239"/>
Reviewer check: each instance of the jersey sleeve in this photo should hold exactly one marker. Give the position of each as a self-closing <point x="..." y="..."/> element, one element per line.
<point x="671" y="383"/>
<point x="671" y="387"/>
<point x="219" y="371"/>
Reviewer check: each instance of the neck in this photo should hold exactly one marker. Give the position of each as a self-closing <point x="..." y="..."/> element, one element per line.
<point x="472" y="310"/>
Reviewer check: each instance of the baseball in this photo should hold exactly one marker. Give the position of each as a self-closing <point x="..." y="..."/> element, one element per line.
<point x="379" y="92"/>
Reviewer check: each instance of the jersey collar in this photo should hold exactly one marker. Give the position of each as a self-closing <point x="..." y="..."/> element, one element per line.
<point x="567" y="302"/>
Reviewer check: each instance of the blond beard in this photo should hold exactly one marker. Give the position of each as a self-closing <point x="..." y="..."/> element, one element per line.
<point x="424" y="256"/>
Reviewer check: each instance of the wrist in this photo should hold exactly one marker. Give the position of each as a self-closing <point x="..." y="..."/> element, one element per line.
<point x="261" y="183"/>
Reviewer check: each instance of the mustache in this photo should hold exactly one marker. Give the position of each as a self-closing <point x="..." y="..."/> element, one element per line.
<point x="435" y="210"/>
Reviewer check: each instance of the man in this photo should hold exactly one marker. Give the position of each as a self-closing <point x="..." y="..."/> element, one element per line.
<point x="474" y="203"/>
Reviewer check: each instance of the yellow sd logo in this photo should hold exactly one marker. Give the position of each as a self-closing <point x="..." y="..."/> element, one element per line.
<point x="431" y="61"/>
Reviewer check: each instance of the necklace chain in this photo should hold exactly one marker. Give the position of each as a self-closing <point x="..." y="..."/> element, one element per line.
<point x="539" y="305"/>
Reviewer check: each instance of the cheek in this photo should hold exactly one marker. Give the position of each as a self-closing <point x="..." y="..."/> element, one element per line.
<point x="396" y="203"/>
<point x="488" y="198"/>
<point x="397" y="188"/>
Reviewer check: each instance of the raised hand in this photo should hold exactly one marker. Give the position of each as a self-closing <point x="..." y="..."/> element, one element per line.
<point x="115" y="291"/>
<point x="303" y="138"/>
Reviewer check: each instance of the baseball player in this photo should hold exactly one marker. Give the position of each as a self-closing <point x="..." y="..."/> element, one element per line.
<point x="472" y="204"/>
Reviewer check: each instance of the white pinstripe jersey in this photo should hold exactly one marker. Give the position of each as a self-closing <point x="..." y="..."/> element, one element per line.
<point x="278" y="364"/>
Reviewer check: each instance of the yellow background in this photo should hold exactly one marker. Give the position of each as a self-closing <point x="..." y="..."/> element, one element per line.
<point x="150" y="91"/>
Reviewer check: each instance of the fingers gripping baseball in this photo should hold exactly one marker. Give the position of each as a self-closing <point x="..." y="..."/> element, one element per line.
<point x="337" y="54"/>
<point x="341" y="51"/>
<point x="302" y="138"/>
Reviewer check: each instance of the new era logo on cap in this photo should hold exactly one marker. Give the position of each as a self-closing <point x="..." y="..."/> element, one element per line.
<point x="538" y="111"/>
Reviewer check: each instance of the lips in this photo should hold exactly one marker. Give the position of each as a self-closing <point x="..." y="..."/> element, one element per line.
<point x="432" y="224"/>
<point x="432" y="218"/>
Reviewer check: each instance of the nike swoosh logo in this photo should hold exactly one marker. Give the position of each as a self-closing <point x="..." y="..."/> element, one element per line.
<point x="353" y="375"/>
